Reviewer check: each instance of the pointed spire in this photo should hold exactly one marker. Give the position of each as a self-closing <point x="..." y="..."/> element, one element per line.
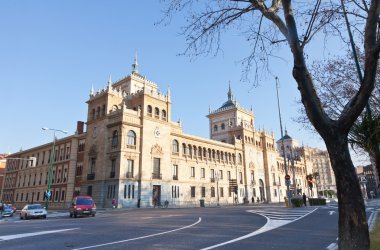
<point x="230" y="94"/>
<point x="109" y="83"/>
<point x="135" y="65"/>
<point x="92" y="90"/>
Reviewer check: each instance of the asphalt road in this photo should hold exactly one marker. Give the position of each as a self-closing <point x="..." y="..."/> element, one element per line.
<point x="242" y="227"/>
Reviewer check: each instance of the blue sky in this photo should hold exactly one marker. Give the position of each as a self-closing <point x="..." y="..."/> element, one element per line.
<point x="53" y="51"/>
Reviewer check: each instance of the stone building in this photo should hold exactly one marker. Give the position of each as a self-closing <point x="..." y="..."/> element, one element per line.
<point x="26" y="181"/>
<point x="134" y="153"/>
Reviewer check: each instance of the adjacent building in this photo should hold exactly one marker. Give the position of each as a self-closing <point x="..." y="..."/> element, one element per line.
<point x="134" y="153"/>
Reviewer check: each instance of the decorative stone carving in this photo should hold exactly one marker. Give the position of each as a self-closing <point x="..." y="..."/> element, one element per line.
<point x="156" y="150"/>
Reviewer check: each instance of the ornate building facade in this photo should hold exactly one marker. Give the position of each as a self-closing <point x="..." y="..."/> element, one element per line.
<point x="134" y="153"/>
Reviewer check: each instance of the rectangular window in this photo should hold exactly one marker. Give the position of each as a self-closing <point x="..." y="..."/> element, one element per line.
<point x="89" y="190"/>
<point x="221" y="192"/>
<point x="192" y="171"/>
<point x="125" y="191"/>
<point x="212" y="191"/>
<point x="203" y="173"/>
<point x="241" y="177"/>
<point x="129" y="191"/>
<point x="203" y="192"/>
<point x="192" y="191"/>
<point x="133" y="191"/>
<point x="56" y="195"/>
<point x="156" y="168"/>
<point x="92" y="165"/>
<point x="62" y="195"/>
<point x="130" y="164"/>
<point x="229" y="175"/>
<point x="67" y="153"/>
<point x="220" y="175"/>
<point x="175" y="172"/>
<point x="61" y="154"/>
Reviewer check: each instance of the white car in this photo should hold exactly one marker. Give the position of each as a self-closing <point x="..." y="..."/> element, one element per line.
<point x="33" y="211"/>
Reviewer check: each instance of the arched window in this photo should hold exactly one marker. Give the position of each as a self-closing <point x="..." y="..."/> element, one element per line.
<point x="114" y="138"/>
<point x="98" y="112"/>
<point x="163" y="115"/>
<point x="156" y="112"/>
<point x="131" y="137"/>
<point x="149" y="110"/>
<point x="215" y="127"/>
<point x="222" y="126"/>
<point x="183" y="149"/>
<point x="239" y="159"/>
<point x="175" y="146"/>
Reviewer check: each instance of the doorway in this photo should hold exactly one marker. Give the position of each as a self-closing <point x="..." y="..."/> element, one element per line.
<point x="156" y="195"/>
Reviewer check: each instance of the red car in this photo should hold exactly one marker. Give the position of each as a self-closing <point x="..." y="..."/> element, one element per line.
<point x="82" y="205"/>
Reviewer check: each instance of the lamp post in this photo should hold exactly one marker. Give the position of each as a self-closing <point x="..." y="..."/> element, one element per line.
<point x="282" y="145"/>
<point x="48" y="194"/>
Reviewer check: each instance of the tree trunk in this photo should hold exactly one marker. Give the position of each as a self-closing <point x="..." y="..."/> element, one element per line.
<point x="353" y="227"/>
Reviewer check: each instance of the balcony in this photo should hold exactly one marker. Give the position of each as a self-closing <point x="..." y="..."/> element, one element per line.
<point x="157" y="176"/>
<point x="91" y="176"/>
<point x="112" y="175"/>
<point x="129" y="175"/>
<point x="175" y="177"/>
<point x="131" y="146"/>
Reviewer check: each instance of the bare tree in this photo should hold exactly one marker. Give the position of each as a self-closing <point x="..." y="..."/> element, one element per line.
<point x="336" y="80"/>
<point x="268" y="24"/>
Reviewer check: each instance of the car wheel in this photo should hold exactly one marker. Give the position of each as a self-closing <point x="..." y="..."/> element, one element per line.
<point x="20" y="217"/>
<point x="93" y="215"/>
<point x="11" y="215"/>
<point x="75" y="215"/>
<point x="26" y="217"/>
<point x="44" y="216"/>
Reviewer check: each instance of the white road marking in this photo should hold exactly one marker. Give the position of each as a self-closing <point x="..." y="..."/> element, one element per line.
<point x="331" y="212"/>
<point x="17" y="236"/>
<point x="142" y="237"/>
<point x="270" y="225"/>
<point x="332" y="246"/>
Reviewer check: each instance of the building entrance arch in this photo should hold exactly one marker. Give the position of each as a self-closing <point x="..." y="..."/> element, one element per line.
<point x="261" y="188"/>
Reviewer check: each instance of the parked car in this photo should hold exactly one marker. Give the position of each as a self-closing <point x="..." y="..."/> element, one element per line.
<point x="7" y="211"/>
<point x="12" y="207"/>
<point x="33" y="211"/>
<point x="82" y="205"/>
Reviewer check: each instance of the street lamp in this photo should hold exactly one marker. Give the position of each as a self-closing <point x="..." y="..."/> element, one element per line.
<point x="48" y="193"/>
<point x="282" y="145"/>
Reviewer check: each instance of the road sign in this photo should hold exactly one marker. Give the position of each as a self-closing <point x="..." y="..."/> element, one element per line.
<point x="48" y="194"/>
<point x="287" y="182"/>
<point x="287" y="177"/>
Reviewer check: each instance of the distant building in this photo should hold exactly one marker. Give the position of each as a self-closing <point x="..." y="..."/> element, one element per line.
<point x="367" y="180"/>
<point x="134" y="153"/>
<point x="2" y="171"/>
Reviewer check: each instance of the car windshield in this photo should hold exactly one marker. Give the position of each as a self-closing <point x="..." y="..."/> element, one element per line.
<point x="35" y="207"/>
<point x="84" y="202"/>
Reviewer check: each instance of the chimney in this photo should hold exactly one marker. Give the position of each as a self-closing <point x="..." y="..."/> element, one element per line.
<point x="80" y="126"/>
